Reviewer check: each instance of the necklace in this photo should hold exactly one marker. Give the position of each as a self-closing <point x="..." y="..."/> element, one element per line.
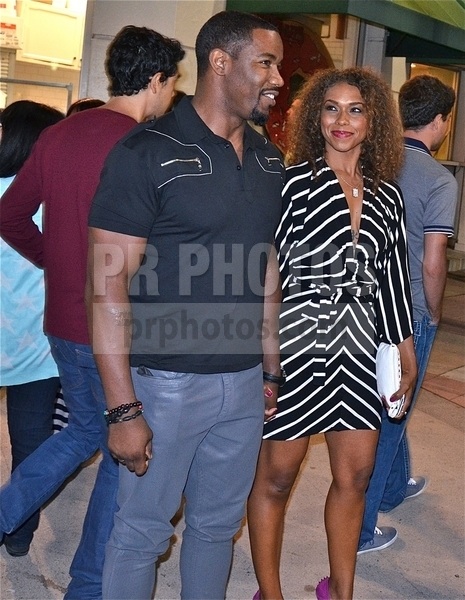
<point x="354" y="233"/>
<point x="355" y="190"/>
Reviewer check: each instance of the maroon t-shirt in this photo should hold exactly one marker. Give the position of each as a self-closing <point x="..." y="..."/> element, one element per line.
<point x="63" y="172"/>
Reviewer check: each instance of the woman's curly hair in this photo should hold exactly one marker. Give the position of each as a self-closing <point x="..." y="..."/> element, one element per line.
<point x="382" y="150"/>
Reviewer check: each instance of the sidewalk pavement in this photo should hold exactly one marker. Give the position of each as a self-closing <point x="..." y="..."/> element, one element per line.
<point x="426" y="561"/>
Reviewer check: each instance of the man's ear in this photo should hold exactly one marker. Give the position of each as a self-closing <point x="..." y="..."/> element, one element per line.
<point x="437" y="121"/>
<point x="219" y="61"/>
<point x="156" y="82"/>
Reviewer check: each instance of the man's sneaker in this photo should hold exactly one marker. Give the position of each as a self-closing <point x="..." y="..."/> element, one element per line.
<point x="15" y="549"/>
<point x="415" y="487"/>
<point x="383" y="538"/>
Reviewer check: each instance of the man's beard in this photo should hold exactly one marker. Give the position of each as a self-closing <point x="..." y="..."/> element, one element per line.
<point x="257" y="117"/>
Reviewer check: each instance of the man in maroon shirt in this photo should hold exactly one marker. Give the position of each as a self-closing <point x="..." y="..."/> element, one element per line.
<point x="63" y="172"/>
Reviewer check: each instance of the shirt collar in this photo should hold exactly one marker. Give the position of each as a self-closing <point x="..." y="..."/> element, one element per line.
<point x="194" y="128"/>
<point x="415" y="145"/>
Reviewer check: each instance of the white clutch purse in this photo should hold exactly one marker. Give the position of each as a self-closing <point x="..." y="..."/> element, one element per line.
<point x="388" y="375"/>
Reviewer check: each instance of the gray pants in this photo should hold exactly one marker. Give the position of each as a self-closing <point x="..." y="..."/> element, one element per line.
<point x="206" y="436"/>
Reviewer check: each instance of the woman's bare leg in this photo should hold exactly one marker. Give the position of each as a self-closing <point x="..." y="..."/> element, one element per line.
<point x="351" y="455"/>
<point x="278" y="465"/>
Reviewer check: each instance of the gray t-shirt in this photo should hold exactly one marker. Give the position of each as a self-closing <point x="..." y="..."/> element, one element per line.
<point x="430" y="194"/>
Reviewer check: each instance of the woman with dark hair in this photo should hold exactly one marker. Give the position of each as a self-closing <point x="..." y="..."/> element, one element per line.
<point x="83" y="104"/>
<point x="27" y="368"/>
<point x="343" y="263"/>
<point x="22" y="122"/>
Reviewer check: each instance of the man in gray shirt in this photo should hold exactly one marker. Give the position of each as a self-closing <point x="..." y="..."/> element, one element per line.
<point x="430" y="195"/>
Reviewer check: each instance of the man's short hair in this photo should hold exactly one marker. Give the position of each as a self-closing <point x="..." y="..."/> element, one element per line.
<point x="135" y="55"/>
<point x="422" y="98"/>
<point x="228" y="30"/>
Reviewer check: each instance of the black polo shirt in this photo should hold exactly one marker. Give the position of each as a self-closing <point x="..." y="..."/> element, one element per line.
<point x="209" y="221"/>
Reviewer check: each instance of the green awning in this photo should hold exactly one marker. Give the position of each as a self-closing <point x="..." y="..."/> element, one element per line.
<point x="451" y="12"/>
<point x="433" y="30"/>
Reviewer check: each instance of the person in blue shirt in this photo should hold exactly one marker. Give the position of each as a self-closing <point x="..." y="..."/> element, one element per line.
<point x="27" y="368"/>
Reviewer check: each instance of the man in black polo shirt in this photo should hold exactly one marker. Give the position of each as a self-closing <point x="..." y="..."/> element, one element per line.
<point x="185" y="213"/>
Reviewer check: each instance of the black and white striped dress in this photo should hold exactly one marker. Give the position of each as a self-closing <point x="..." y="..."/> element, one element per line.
<point x="339" y="302"/>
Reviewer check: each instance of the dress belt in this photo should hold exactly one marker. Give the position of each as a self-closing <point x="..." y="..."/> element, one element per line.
<point x="326" y="297"/>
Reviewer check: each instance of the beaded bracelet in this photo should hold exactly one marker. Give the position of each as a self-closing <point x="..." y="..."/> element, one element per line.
<point x="114" y="419"/>
<point x="119" y="411"/>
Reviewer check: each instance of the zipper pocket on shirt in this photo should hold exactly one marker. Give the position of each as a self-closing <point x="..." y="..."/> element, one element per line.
<point x="183" y="160"/>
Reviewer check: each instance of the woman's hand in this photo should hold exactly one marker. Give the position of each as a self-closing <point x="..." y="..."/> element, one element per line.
<point x="270" y="391"/>
<point x="409" y="375"/>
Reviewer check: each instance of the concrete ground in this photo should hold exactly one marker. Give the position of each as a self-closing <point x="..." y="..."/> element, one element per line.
<point x="427" y="560"/>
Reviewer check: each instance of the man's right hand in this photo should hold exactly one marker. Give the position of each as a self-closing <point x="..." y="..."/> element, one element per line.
<point x="130" y="443"/>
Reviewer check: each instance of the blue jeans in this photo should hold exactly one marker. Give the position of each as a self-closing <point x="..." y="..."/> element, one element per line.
<point x="206" y="436"/>
<point x="42" y="473"/>
<point x="388" y="483"/>
<point x="30" y="417"/>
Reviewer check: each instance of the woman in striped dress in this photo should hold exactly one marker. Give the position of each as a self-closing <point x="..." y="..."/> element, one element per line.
<point x="343" y="262"/>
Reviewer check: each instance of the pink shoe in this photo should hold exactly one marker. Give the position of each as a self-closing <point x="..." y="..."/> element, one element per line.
<point x="257" y="596"/>
<point x="322" y="590"/>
